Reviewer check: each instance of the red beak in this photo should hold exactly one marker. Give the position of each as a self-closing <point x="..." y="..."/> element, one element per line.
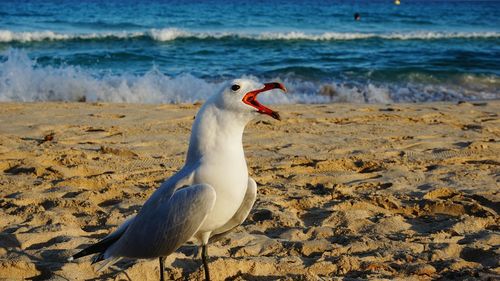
<point x="250" y="98"/>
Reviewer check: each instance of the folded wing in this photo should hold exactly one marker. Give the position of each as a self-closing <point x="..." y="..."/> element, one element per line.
<point x="164" y="224"/>
<point x="242" y="213"/>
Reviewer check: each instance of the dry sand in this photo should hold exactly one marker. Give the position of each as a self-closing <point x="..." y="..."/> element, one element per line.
<point x="353" y="191"/>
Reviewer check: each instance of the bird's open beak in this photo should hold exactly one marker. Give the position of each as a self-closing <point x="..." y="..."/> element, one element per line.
<point x="250" y="98"/>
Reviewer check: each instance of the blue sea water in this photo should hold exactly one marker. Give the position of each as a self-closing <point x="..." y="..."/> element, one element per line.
<point x="182" y="51"/>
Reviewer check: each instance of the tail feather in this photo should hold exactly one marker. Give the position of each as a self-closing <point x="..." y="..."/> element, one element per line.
<point x="108" y="262"/>
<point x="99" y="247"/>
<point x="97" y="258"/>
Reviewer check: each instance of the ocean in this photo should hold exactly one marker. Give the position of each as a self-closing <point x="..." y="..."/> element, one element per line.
<point x="156" y="51"/>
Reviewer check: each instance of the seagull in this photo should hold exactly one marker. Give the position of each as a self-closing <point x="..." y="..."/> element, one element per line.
<point x="208" y="197"/>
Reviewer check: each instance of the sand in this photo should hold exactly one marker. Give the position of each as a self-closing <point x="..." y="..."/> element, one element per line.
<point x="353" y="191"/>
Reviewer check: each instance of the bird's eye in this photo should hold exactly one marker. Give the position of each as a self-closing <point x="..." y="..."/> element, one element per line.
<point x="235" y="87"/>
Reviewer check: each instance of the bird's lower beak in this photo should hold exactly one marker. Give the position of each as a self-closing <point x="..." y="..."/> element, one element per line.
<point x="250" y="98"/>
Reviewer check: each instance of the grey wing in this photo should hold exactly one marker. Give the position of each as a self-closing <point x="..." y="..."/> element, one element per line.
<point x="163" y="225"/>
<point x="241" y="214"/>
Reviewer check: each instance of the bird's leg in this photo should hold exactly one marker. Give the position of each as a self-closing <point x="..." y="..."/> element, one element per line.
<point x="162" y="269"/>
<point x="204" y="257"/>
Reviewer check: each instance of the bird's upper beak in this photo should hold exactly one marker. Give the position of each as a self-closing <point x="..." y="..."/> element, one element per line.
<point x="250" y="98"/>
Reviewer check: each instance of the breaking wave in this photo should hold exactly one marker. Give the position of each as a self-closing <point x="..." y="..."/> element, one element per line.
<point x="22" y="79"/>
<point x="171" y="34"/>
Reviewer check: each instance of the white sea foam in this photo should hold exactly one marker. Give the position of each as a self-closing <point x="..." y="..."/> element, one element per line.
<point x="9" y="36"/>
<point x="21" y="79"/>
<point x="170" y="34"/>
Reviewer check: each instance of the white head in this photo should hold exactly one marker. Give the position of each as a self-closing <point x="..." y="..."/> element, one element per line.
<point x="240" y="96"/>
<point x="222" y="119"/>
